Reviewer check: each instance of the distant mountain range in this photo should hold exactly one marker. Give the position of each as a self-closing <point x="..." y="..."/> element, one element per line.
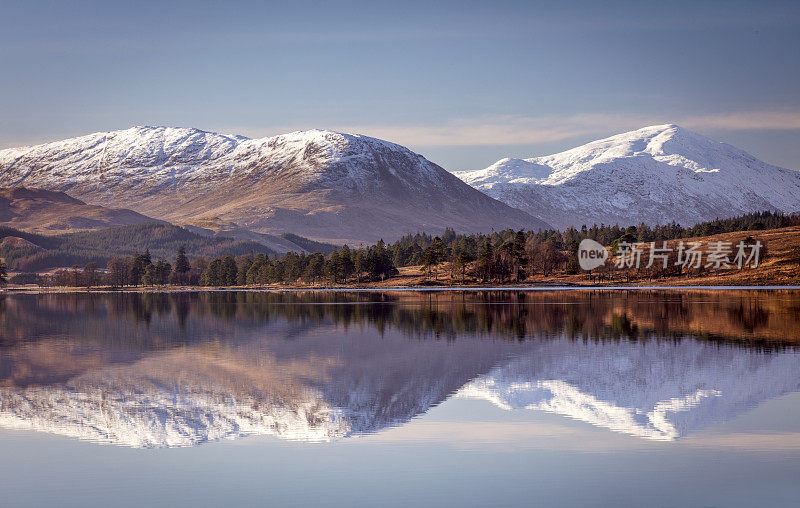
<point x="41" y="229"/>
<point x="653" y="175"/>
<point x="319" y="184"/>
<point x="348" y="188"/>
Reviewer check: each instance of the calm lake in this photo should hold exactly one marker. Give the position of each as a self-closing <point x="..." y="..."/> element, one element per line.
<point x="479" y="398"/>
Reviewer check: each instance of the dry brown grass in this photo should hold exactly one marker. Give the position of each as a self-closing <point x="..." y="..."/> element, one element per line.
<point x="781" y="267"/>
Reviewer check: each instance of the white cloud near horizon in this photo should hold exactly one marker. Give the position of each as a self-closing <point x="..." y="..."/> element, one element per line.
<point x="516" y="129"/>
<point x="746" y="121"/>
<point x="527" y="130"/>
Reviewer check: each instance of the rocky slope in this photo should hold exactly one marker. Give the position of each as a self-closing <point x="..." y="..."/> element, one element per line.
<point x="320" y="184"/>
<point x="655" y="175"/>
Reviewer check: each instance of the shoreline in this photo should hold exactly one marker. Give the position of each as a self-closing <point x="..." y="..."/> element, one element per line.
<point x="388" y="289"/>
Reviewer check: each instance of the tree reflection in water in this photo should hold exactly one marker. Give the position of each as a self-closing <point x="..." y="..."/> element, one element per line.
<point x="176" y="369"/>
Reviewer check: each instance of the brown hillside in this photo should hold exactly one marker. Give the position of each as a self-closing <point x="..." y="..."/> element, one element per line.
<point x="780" y="267"/>
<point x="47" y="212"/>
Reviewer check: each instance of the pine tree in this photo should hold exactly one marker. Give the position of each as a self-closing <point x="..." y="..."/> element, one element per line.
<point x="243" y="265"/>
<point x="333" y="267"/>
<point x="359" y="262"/>
<point x="139" y="267"/>
<point x="162" y="271"/>
<point x="462" y="259"/>
<point x="434" y="255"/>
<point x="118" y="271"/>
<point x="181" y="261"/>
<point x="228" y="271"/>
<point x="150" y="277"/>
<point x="518" y="252"/>
<point x="315" y="268"/>
<point x="347" y="267"/>
<point x="484" y="267"/>
<point x="211" y="274"/>
<point x="381" y="262"/>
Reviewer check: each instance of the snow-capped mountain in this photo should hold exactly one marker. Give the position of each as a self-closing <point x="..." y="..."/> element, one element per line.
<point x="654" y="175"/>
<point x="317" y="183"/>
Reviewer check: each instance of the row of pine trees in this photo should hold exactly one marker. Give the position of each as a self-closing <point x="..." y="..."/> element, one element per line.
<point x="501" y="256"/>
<point x="341" y="266"/>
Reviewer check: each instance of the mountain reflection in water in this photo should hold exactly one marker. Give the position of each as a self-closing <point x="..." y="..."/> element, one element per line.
<point x="178" y="369"/>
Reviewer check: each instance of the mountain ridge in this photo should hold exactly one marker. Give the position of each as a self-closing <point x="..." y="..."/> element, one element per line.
<point x="655" y="175"/>
<point x="320" y="184"/>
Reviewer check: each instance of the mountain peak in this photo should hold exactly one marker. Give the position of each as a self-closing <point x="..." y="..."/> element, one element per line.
<point x="324" y="136"/>
<point x="654" y="140"/>
<point x="667" y="127"/>
<point x="655" y="174"/>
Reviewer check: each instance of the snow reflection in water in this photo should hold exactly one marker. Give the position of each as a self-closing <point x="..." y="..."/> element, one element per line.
<point x="178" y="370"/>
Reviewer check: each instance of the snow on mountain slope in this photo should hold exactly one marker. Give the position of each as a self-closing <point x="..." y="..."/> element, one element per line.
<point x="165" y="419"/>
<point x="317" y="183"/>
<point x="655" y="175"/>
<point x="656" y="390"/>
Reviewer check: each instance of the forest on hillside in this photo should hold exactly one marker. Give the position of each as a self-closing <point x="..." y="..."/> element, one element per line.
<point x="410" y="249"/>
<point x="40" y="252"/>
<point x="501" y="256"/>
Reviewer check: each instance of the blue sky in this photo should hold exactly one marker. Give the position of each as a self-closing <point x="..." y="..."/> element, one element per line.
<point x="464" y="83"/>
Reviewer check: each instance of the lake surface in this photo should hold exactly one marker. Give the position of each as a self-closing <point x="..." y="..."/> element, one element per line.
<point x="479" y="398"/>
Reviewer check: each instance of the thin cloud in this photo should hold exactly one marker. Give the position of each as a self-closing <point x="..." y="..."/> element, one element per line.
<point x="484" y="131"/>
<point x="528" y="130"/>
<point x="507" y="130"/>
<point x="746" y="121"/>
<point x="521" y="130"/>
